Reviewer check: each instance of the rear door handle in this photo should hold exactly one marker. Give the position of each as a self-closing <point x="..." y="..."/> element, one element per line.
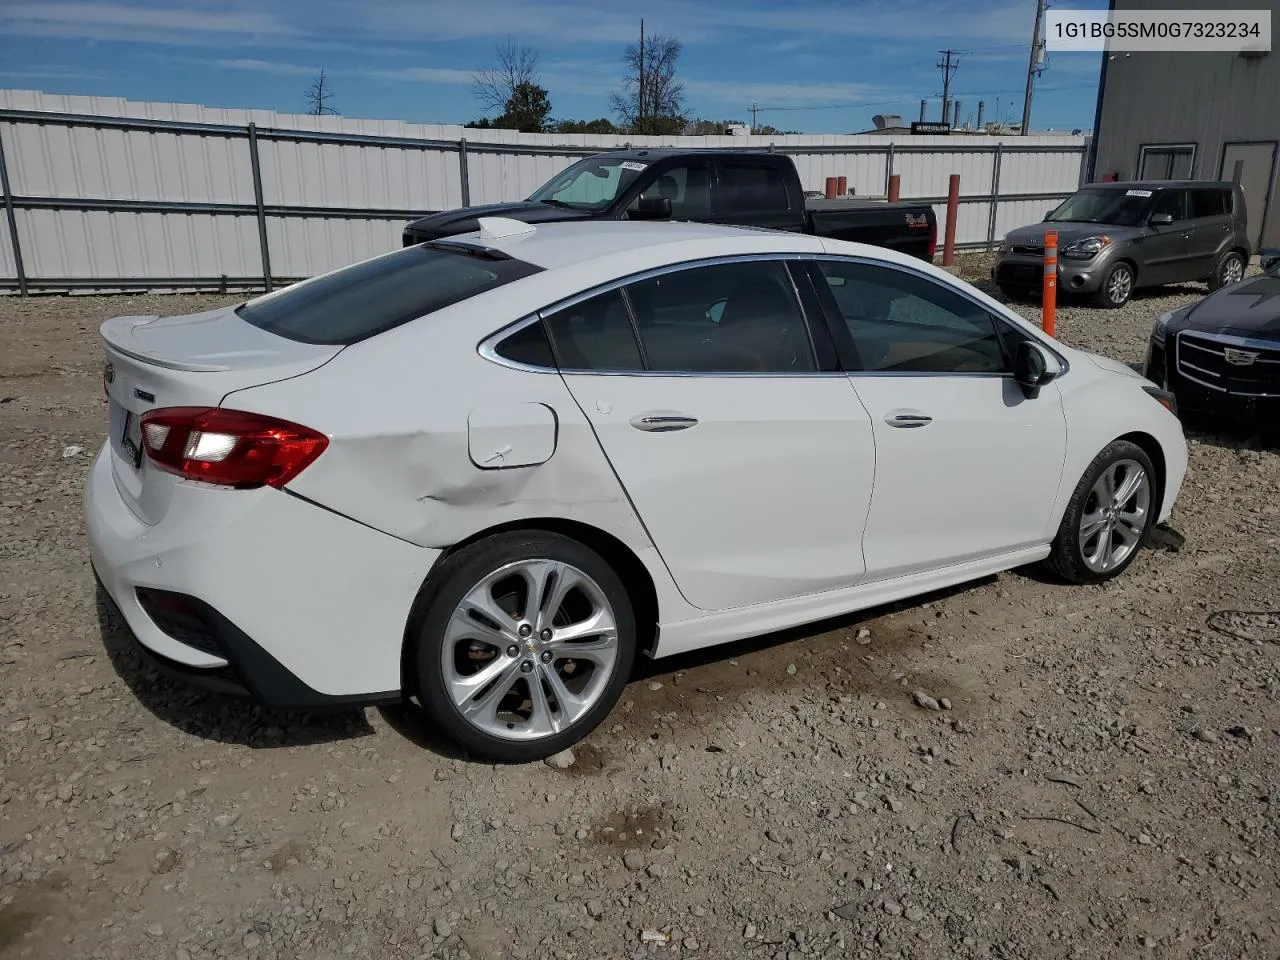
<point x="663" y="422"/>
<point x="907" y="418"/>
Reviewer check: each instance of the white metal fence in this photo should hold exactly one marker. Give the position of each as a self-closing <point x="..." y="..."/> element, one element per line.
<point x="106" y="194"/>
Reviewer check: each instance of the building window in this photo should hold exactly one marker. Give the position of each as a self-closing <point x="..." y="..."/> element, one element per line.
<point x="1173" y="161"/>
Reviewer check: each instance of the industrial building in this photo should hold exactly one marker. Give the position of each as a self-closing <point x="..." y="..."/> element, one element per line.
<point x="1202" y="116"/>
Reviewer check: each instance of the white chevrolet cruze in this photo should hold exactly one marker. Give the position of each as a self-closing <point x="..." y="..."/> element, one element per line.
<point x="484" y="473"/>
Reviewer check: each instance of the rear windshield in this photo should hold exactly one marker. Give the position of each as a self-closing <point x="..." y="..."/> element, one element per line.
<point x="365" y="299"/>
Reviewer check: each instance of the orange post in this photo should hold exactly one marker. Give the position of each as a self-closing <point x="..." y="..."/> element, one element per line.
<point x="1050" y="300"/>
<point x="830" y="188"/>
<point x="895" y="187"/>
<point x="842" y="186"/>
<point x="953" y="210"/>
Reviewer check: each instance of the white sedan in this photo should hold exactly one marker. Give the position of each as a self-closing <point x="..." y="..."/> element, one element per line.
<point x="484" y="473"/>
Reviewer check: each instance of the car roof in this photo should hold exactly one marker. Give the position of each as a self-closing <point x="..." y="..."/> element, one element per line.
<point x="565" y="244"/>
<point x="1161" y="184"/>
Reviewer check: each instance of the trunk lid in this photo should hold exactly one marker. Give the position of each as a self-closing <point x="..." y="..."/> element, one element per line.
<point x="195" y="360"/>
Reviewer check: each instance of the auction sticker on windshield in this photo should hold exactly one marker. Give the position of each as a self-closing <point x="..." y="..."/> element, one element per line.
<point x="1137" y="193"/>
<point x="633" y="165"/>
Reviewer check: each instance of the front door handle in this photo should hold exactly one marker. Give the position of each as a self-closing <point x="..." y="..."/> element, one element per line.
<point x="662" y="422"/>
<point x="907" y="418"/>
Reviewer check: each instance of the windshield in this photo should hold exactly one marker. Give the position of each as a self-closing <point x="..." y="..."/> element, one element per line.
<point x="367" y="298"/>
<point x="1126" y="208"/>
<point x="590" y="184"/>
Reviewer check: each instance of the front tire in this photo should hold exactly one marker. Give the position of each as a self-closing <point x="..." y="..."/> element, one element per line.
<point x="1230" y="270"/>
<point x="521" y="645"/>
<point x="1108" y="516"/>
<point x="1117" y="288"/>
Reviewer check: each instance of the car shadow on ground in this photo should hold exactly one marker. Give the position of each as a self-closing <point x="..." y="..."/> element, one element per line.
<point x="1080" y="300"/>
<point x="212" y="716"/>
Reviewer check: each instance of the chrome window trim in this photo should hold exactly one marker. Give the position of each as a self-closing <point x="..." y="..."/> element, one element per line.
<point x="1029" y="334"/>
<point x="488" y="347"/>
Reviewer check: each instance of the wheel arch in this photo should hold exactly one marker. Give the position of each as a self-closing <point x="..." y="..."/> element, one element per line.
<point x="1151" y="447"/>
<point x="630" y="568"/>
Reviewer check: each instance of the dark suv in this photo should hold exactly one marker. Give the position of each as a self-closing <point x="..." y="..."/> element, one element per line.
<point x="1116" y="237"/>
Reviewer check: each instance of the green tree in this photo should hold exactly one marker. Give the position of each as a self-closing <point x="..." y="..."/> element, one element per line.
<point x="527" y="109"/>
<point x="602" y="125"/>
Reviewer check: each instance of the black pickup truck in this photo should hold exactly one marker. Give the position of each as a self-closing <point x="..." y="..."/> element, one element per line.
<point x="740" y="187"/>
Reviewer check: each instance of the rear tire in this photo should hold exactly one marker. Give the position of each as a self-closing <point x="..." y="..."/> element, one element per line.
<point x="492" y="657"/>
<point x="1230" y="270"/>
<point x="1014" y="294"/>
<point x="1101" y="533"/>
<point x="1116" y="289"/>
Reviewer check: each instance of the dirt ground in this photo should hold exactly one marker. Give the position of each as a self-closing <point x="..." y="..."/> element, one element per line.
<point x="1105" y="784"/>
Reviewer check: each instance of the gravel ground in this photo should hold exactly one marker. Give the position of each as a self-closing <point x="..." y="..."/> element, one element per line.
<point x="1103" y="784"/>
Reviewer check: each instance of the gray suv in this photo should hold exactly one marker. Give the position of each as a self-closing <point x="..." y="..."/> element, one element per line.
<point x="1116" y="237"/>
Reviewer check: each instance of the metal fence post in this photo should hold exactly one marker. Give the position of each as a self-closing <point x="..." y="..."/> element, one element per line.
<point x="464" y="172"/>
<point x="888" y="168"/>
<point x="13" y="223"/>
<point x="257" y="199"/>
<point x="995" y="194"/>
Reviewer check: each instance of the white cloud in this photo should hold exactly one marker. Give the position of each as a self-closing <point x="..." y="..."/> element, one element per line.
<point x="265" y="66"/>
<point x="316" y="23"/>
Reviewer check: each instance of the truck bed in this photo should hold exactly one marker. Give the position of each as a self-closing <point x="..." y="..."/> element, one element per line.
<point x="905" y="226"/>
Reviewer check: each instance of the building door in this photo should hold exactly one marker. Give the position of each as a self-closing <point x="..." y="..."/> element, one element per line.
<point x="1171" y="162"/>
<point x="1257" y="163"/>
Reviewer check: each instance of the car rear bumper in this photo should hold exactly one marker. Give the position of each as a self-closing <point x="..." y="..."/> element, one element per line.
<point x="257" y="591"/>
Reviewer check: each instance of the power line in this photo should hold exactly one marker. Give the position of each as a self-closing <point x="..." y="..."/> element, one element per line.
<point x="845" y="105"/>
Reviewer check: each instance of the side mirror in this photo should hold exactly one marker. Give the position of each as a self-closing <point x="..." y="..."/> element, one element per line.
<point x="1033" y="367"/>
<point x="1161" y="219"/>
<point x="652" y="208"/>
<point x="1048" y="215"/>
<point x="716" y="310"/>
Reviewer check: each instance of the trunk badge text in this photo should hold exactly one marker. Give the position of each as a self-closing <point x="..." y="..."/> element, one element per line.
<point x="144" y="396"/>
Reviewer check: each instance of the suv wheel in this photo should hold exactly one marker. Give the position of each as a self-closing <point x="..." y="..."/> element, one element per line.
<point x="1117" y="288"/>
<point x="1230" y="270"/>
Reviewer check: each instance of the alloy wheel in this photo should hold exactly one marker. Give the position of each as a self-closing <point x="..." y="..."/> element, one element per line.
<point x="1232" y="271"/>
<point x="1115" y="515"/>
<point x="1120" y="285"/>
<point x="529" y="650"/>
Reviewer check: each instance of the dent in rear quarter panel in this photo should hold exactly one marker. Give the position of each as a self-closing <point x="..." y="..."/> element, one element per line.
<point x="1102" y="407"/>
<point x="401" y="457"/>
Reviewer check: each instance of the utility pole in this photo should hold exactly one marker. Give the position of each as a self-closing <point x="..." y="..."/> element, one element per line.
<point x="1033" y="67"/>
<point x="948" y="68"/>
<point x="754" y="108"/>
<point x="640" y="105"/>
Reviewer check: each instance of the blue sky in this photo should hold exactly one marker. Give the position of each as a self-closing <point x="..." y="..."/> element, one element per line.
<point x="811" y="65"/>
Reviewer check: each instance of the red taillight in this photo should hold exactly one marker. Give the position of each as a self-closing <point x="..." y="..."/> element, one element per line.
<point x="933" y="239"/>
<point x="229" y="447"/>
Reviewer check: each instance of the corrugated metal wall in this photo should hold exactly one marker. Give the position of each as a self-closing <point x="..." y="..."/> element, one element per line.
<point x="1207" y="100"/>
<point x="179" y="204"/>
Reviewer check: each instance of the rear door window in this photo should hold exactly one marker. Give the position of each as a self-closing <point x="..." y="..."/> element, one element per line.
<point x="368" y="298"/>
<point x="752" y="186"/>
<point x="1209" y="203"/>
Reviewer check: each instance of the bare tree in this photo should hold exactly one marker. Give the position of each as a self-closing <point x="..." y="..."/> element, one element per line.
<point x="319" y="95"/>
<point x="652" y="98"/>
<point x="517" y="65"/>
